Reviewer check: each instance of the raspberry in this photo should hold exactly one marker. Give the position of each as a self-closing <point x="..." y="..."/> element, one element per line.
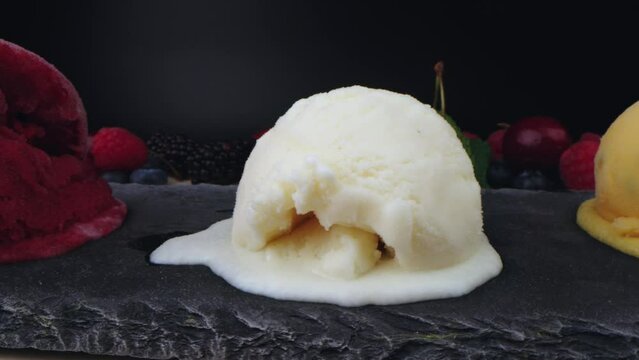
<point x="118" y="149"/>
<point x="577" y="165"/>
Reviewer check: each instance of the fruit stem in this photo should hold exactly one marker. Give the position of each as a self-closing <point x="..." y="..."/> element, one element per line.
<point x="436" y="94"/>
<point x="439" y="98"/>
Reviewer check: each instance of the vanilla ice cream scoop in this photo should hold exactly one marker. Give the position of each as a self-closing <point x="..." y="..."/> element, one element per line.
<point x="356" y="196"/>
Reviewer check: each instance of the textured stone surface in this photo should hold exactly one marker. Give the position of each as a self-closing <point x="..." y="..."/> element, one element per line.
<point x="561" y="295"/>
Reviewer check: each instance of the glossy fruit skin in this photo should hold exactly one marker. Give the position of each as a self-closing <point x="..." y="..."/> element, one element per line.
<point x="535" y="143"/>
<point x="499" y="175"/>
<point x="496" y="143"/>
<point x="531" y="180"/>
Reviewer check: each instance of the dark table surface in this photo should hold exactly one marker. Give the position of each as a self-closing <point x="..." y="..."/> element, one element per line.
<point x="561" y="294"/>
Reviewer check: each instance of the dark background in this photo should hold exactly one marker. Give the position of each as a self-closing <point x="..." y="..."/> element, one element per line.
<point x="223" y="69"/>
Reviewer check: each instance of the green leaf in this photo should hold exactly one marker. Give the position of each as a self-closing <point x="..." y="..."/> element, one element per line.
<point x="454" y="125"/>
<point x="478" y="151"/>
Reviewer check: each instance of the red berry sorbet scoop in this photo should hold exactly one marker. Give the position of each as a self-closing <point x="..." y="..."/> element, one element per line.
<point x="51" y="198"/>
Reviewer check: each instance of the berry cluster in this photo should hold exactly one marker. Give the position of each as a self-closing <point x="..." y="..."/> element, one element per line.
<point x="219" y="162"/>
<point x="123" y="157"/>
<point x="537" y="153"/>
<point x="172" y="152"/>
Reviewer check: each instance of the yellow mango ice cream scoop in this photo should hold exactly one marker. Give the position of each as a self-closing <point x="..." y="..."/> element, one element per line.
<point x="612" y="216"/>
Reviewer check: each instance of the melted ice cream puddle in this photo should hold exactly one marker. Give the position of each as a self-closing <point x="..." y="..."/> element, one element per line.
<point x="337" y="173"/>
<point x="387" y="283"/>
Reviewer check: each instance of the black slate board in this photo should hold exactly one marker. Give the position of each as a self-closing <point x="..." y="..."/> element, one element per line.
<point x="561" y="295"/>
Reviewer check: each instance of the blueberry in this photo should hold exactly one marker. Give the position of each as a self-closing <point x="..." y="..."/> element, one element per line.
<point x="149" y="176"/>
<point x="119" y="177"/>
<point x="499" y="175"/>
<point x="532" y="180"/>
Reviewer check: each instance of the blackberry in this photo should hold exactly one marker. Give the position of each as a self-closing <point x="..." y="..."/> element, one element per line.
<point x="219" y="162"/>
<point x="174" y="150"/>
